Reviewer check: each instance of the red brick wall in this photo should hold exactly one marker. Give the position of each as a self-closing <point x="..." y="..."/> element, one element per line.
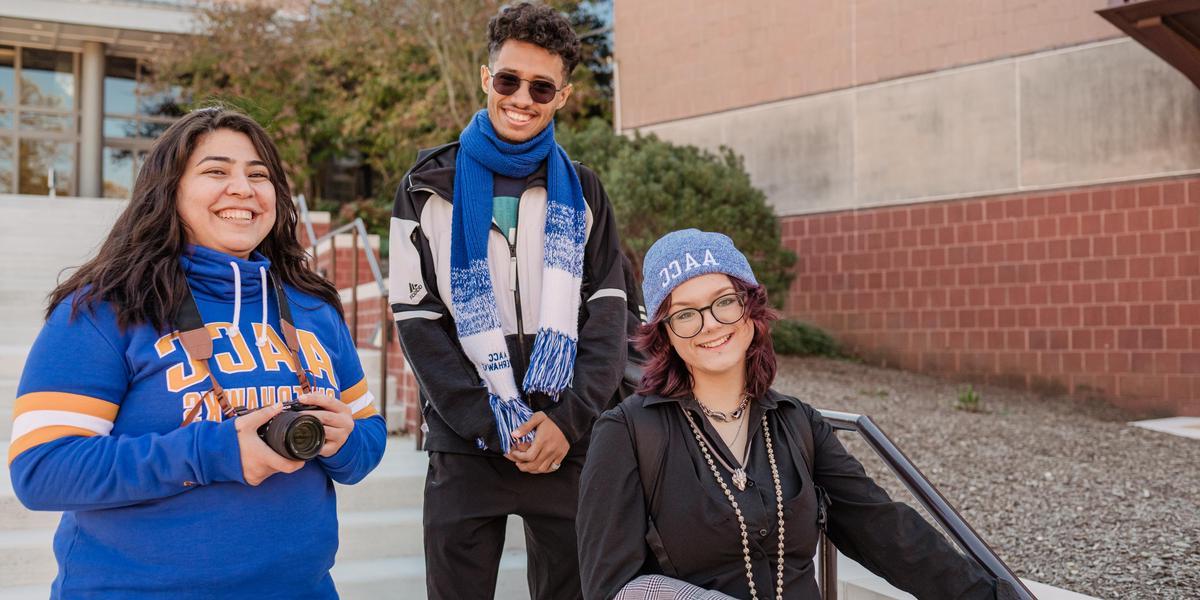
<point x="1091" y="291"/>
<point x="345" y="265"/>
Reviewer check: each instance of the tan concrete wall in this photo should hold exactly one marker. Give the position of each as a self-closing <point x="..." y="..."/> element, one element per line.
<point x="936" y="136"/>
<point x="1115" y="111"/>
<point x="1097" y="113"/>
<point x="684" y="58"/>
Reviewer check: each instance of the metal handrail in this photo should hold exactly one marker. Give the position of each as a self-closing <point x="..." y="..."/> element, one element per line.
<point x="359" y="227"/>
<point x="925" y="493"/>
<point x="359" y="231"/>
<point x="307" y="220"/>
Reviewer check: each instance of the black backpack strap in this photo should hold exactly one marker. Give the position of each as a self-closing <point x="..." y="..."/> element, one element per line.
<point x="648" y="432"/>
<point x="803" y="429"/>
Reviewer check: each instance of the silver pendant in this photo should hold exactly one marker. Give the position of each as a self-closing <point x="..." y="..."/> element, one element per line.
<point x="739" y="479"/>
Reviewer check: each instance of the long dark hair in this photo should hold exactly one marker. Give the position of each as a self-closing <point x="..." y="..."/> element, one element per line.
<point x="137" y="269"/>
<point x="667" y="375"/>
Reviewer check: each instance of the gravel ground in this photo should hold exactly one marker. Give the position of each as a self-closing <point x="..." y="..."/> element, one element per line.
<point x="1064" y="491"/>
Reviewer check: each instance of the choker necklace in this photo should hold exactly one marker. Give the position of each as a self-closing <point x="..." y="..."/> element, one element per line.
<point x="739" y="474"/>
<point x="737" y="510"/>
<point x="733" y="415"/>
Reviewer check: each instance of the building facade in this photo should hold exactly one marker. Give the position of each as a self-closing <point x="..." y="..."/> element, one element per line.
<point x="997" y="191"/>
<point x="75" y="114"/>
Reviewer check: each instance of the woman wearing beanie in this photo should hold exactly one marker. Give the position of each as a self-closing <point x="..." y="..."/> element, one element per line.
<point x="709" y="484"/>
<point x="140" y="405"/>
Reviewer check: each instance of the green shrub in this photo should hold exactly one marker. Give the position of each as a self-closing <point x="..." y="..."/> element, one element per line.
<point x="795" y="338"/>
<point x="657" y="187"/>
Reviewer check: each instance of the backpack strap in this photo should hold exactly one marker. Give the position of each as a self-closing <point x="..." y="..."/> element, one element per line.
<point x="803" y="429"/>
<point x="648" y="432"/>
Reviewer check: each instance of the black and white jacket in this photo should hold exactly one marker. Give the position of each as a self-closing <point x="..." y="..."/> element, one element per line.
<point x="453" y="397"/>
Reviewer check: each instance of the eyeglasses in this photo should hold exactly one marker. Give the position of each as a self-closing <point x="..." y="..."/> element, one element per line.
<point x="540" y="90"/>
<point x="688" y="323"/>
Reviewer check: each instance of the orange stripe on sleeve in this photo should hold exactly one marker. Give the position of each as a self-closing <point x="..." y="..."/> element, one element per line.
<point x="369" y="411"/>
<point x="355" y="391"/>
<point x="43" y="435"/>
<point x="85" y="405"/>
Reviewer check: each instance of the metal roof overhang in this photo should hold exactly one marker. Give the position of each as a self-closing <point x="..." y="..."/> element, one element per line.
<point x="127" y="28"/>
<point x="1168" y="28"/>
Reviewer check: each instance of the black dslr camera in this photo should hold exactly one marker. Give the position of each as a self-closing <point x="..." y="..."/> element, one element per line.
<point x="293" y="434"/>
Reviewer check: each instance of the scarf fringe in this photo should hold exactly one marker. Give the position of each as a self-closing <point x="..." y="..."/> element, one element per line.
<point x="551" y="365"/>
<point x="510" y="414"/>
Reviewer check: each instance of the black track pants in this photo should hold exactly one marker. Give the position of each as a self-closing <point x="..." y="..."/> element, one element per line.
<point x="467" y="502"/>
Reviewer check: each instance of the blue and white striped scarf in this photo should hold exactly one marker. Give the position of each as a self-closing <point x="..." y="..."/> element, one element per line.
<point x="551" y="365"/>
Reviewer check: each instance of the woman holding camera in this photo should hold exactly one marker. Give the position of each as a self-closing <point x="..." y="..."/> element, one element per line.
<point x="163" y="360"/>
<point x="709" y="484"/>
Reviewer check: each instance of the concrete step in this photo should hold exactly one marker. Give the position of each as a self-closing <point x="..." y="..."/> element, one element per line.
<point x="8" y="396"/>
<point x="31" y="296"/>
<point x="398" y="482"/>
<point x="369" y="535"/>
<point x="20" y="332"/>
<point x="12" y="359"/>
<point x="405" y="578"/>
<point x="25" y="592"/>
<point x="27" y="557"/>
<point x="63" y="211"/>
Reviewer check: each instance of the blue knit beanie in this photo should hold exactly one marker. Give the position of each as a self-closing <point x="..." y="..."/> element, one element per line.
<point x="684" y="254"/>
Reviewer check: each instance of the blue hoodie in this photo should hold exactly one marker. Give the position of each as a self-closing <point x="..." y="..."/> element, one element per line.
<point x="153" y="509"/>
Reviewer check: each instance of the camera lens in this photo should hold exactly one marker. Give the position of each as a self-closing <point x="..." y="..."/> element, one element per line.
<point x="305" y="437"/>
<point x="294" y="434"/>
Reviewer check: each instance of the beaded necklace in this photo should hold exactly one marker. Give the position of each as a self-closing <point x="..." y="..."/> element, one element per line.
<point x="708" y="457"/>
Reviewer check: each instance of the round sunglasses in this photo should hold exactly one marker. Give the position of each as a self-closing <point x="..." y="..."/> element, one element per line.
<point x="540" y="90"/>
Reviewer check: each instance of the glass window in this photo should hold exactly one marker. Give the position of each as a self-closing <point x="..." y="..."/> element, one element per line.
<point x="121" y="128"/>
<point x="43" y="160"/>
<point x="120" y="86"/>
<point x="47" y="79"/>
<point x="118" y="172"/>
<point x="152" y="129"/>
<point x="158" y="102"/>
<point x="31" y="121"/>
<point x="8" y="87"/>
<point x="6" y="166"/>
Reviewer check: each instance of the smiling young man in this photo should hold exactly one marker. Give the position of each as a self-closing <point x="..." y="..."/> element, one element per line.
<point x="508" y="292"/>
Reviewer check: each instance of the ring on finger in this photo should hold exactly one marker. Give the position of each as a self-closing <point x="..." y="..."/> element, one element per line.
<point x="554" y="466"/>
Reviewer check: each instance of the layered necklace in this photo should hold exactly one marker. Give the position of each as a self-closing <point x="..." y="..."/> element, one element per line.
<point x="741" y="473"/>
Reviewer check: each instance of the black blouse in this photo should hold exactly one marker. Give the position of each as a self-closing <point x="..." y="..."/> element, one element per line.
<point x="696" y="536"/>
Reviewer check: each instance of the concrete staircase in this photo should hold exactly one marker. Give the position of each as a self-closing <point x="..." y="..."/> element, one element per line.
<point x="39" y="237"/>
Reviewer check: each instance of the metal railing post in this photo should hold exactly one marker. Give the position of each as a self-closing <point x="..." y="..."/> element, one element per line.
<point x="385" y="337"/>
<point x="827" y="576"/>
<point x="333" y="259"/>
<point x="354" y="288"/>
